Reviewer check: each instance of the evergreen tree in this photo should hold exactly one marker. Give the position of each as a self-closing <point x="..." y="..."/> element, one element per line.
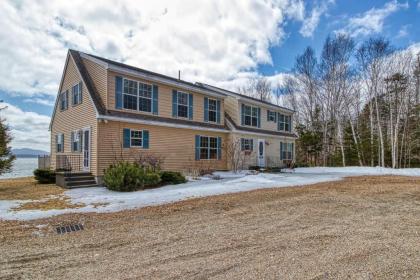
<point x="6" y="156"/>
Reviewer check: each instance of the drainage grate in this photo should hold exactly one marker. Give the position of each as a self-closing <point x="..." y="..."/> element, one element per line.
<point x="70" y="228"/>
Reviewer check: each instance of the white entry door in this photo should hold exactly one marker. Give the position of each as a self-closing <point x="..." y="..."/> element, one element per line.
<point x="86" y="149"/>
<point x="261" y="152"/>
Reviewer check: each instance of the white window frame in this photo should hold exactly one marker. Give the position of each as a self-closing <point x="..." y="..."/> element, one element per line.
<point x="129" y="94"/>
<point x="178" y="104"/>
<point x="64" y="97"/>
<point x="271" y="116"/>
<point x="79" y="94"/>
<point x="136" y="138"/>
<point x="76" y="138"/>
<point x="251" y="115"/>
<point x="248" y="144"/>
<point x="287" y="121"/>
<point x="287" y="150"/>
<point x="215" y="110"/>
<point x="138" y="96"/>
<point x="60" y="141"/>
<point x="208" y="147"/>
<point x="143" y="97"/>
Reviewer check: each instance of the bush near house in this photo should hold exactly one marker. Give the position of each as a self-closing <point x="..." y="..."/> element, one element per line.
<point x="44" y="176"/>
<point x="126" y="177"/>
<point x="171" y="177"/>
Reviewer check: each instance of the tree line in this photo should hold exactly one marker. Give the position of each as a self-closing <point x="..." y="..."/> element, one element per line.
<point x="356" y="104"/>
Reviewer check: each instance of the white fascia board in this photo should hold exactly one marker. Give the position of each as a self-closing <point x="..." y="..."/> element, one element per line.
<point x="156" y="123"/>
<point x="95" y="60"/>
<point x="153" y="78"/>
<point x="238" y="131"/>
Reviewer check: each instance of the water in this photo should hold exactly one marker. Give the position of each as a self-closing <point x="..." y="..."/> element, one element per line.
<point x="22" y="167"/>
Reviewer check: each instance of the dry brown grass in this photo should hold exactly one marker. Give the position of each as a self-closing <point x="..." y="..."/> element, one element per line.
<point x="61" y="202"/>
<point x="358" y="228"/>
<point x="26" y="188"/>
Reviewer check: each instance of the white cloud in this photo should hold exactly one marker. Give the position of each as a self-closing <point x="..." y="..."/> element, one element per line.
<point x="372" y="21"/>
<point x="41" y="101"/>
<point x="29" y="129"/>
<point x="210" y="41"/>
<point x="311" y="22"/>
<point x="403" y="31"/>
<point x="218" y="42"/>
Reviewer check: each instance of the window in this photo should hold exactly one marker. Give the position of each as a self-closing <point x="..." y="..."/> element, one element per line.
<point x="212" y="110"/>
<point x="145" y="97"/>
<point x="130" y="92"/>
<point x="182" y="101"/>
<point x="271" y="116"/>
<point x="77" y="94"/>
<point x="136" y="139"/>
<point x="208" y="147"/>
<point x="250" y="116"/>
<point x="75" y="141"/>
<point x="285" y="123"/>
<point x="59" y="138"/>
<point x="64" y="100"/>
<point x="286" y="151"/>
<point x="247" y="144"/>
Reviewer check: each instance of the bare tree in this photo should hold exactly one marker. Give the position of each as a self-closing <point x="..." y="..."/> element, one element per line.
<point x="257" y="87"/>
<point x="235" y="155"/>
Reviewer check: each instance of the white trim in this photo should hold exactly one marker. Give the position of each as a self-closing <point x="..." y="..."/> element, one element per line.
<point x="157" y="123"/>
<point x="95" y="60"/>
<point x="86" y="168"/>
<point x="137" y="96"/>
<point x="141" y="131"/>
<point x="188" y="105"/>
<point x="234" y="130"/>
<point x="208" y="110"/>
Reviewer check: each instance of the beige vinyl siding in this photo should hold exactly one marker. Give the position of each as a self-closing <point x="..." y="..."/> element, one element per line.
<point x="165" y="99"/>
<point x="99" y="77"/>
<point x="175" y="145"/>
<point x="74" y="118"/>
<point x="272" y="149"/>
<point x="233" y="109"/>
<point x="266" y="125"/>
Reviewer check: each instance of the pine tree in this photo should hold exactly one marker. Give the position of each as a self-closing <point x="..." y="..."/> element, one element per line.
<point x="6" y="156"/>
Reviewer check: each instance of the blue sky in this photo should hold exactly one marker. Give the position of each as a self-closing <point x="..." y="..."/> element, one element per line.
<point x="220" y="42"/>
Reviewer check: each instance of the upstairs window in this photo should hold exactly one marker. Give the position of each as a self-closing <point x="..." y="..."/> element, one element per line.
<point x="77" y="94"/>
<point x="136" y="138"/>
<point x="64" y="100"/>
<point x="247" y="144"/>
<point x="182" y="103"/>
<point x="271" y="116"/>
<point x="284" y="123"/>
<point x="137" y="96"/>
<point x="212" y="110"/>
<point x="130" y="93"/>
<point x="251" y="115"/>
<point x="59" y="141"/>
<point x="145" y="97"/>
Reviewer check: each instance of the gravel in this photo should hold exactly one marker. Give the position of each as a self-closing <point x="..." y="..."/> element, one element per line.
<point x="358" y="228"/>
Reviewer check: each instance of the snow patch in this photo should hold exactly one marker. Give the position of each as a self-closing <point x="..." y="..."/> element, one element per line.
<point x="229" y="182"/>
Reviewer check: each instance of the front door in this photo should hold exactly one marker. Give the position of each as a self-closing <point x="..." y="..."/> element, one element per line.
<point x="261" y="152"/>
<point x="86" y="149"/>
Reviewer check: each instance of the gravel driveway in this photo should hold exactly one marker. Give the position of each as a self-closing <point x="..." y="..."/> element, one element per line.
<point x="358" y="228"/>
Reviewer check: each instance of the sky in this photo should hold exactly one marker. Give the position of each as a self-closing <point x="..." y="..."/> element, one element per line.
<point x="220" y="42"/>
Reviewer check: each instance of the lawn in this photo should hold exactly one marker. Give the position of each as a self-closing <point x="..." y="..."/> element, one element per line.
<point x="358" y="228"/>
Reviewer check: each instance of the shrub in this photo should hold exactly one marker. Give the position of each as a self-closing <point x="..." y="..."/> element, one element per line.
<point x="44" y="176"/>
<point x="151" y="180"/>
<point x="127" y="177"/>
<point x="171" y="177"/>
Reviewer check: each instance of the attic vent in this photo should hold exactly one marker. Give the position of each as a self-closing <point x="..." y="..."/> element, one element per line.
<point x="70" y="228"/>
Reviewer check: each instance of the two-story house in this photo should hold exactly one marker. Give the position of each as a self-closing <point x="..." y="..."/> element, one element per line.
<point x="108" y="111"/>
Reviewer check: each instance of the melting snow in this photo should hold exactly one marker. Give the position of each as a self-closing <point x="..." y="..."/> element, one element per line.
<point x="103" y="200"/>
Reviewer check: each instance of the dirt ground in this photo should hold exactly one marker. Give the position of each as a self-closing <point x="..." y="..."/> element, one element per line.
<point x="359" y="228"/>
